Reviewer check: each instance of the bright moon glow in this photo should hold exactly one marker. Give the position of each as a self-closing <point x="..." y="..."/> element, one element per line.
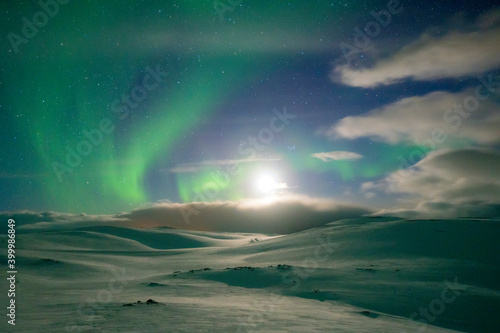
<point x="266" y="184"/>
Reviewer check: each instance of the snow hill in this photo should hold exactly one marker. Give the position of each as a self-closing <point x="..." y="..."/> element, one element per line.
<point x="353" y="275"/>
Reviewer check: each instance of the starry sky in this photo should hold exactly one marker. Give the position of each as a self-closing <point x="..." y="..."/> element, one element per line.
<point x="111" y="107"/>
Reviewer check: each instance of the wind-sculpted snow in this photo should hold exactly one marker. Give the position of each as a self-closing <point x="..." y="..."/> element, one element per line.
<point x="353" y="275"/>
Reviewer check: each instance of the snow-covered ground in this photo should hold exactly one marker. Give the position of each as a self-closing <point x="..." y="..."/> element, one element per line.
<point x="355" y="275"/>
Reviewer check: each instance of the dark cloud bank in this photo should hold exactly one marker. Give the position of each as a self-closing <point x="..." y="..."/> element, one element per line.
<point x="276" y="216"/>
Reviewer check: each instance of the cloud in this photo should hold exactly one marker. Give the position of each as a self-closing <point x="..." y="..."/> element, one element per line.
<point x="337" y="155"/>
<point x="198" y="166"/>
<point x="56" y="220"/>
<point x="452" y="182"/>
<point x="453" y="55"/>
<point x="283" y="186"/>
<point x="280" y="215"/>
<point x="433" y="209"/>
<point x="432" y="119"/>
<point x="369" y="189"/>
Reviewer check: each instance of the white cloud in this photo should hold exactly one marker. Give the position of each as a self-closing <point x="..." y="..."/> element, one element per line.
<point x="198" y="166"/>
<point x="438" y="118"/>
<point x="448" y="183"/>
<point x="367" y="186"/>
<point x="453" y="55"/>
<point x="337" y="156"/>
<point x="55" y="220"/>
<point x="370" y="195"/>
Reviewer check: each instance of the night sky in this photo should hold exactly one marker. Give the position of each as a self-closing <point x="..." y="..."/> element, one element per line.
<point x="108" y="107"/>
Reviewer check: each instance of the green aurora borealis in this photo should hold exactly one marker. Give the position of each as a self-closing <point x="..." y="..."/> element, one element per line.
<point x="226" y="73"/>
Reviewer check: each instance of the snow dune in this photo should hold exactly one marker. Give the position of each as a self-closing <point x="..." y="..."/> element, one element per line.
<point x="353" y="275"/>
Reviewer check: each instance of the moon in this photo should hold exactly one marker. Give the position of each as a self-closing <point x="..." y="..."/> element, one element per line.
<point x="265" y="184"/>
